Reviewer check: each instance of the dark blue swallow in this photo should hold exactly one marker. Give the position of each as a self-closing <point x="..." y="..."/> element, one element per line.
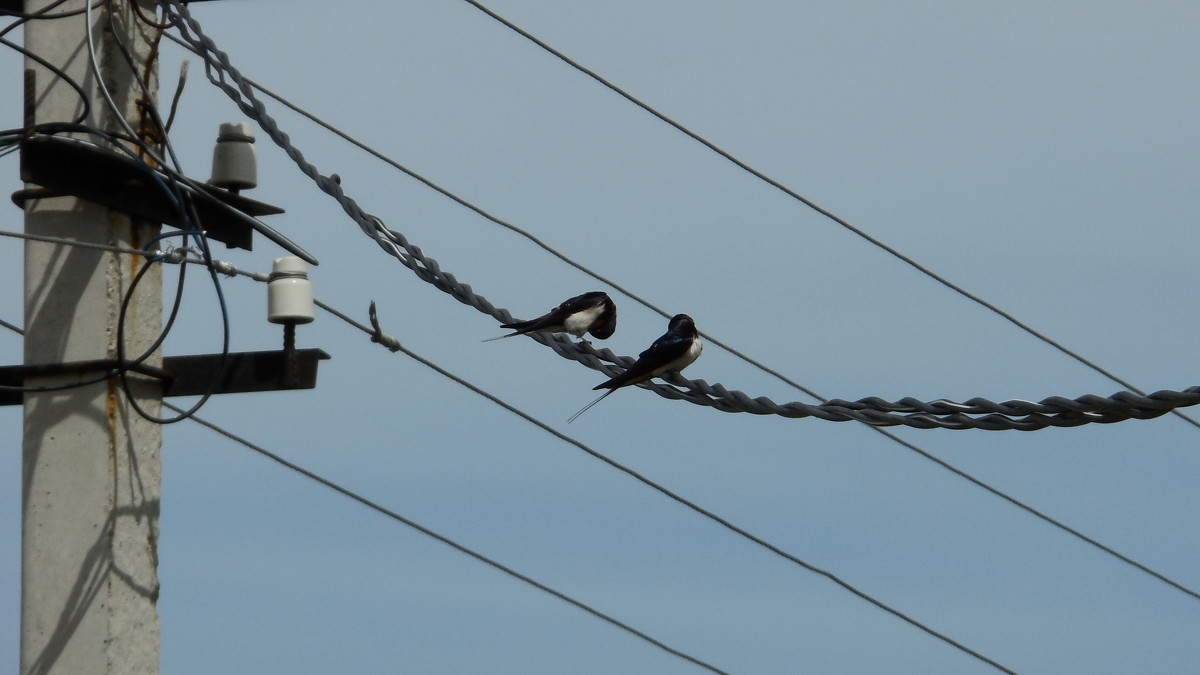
<point x="593" y="313"/>
<point x="671" y="353"/>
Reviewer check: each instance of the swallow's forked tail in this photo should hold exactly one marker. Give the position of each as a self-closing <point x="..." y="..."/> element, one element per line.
<point x="585" y="408"/>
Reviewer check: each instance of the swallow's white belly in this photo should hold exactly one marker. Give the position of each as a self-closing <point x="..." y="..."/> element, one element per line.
<point x="578" y="323"/>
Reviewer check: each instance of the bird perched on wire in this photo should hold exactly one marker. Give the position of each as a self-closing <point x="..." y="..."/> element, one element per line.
<point x="671" y="353"/>
<point x="592" y="312"/>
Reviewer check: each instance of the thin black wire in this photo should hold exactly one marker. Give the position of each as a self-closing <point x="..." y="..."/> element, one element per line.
<point x="810" y="204"/>
<point x="122" y="372"/>
<point x="44" y="14"/>
<point x="60" y="387"/>
<point x="187" y="211"/>
<point x="1034" y="512"/>
<point x="72" y="242"/>
<point x="449" y="542"/>
<point x="218" y="68"/>
<point x="511" y="227"/>
<point x="87" y="104"/>
<point x="885" y="432"/>
<point x="395" y="345"/>
<point x="162" y="336"/>
<point x="1033" y="423"/>
<point x="126" y="366"/>
<point x="427" y="267"/>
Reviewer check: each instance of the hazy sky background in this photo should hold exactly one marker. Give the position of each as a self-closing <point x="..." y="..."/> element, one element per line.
<point x="1041" y="155"/>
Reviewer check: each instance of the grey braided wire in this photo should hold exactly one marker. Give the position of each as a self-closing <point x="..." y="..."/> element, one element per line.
<point x="977" y="413"/>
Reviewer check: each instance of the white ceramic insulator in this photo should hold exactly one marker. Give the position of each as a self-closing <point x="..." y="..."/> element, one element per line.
<point x="289" y="292"/>
<point x="235" y="162"/>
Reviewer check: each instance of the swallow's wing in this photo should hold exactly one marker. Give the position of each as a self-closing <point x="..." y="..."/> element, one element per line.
<point x="542" y="321"/>
<point x="581" y="303"/>
<point x="657" y="359"/>
<point x="555" y="317"/>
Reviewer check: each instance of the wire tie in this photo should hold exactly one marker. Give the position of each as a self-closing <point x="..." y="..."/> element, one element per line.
<point x="378" y="336"/>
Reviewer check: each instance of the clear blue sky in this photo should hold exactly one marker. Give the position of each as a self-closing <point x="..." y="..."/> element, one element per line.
<point x="1042" y="155"/>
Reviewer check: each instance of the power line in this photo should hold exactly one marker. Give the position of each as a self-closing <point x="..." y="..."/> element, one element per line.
<point x="217" y="67"/>
<point x="1039" y="514"/>
<point x="809" y="203"/>
<point x="447" y="541"/>
<point x="395" y="345"/>
<point x="699" y="392"/>
<point x="80" y="244"/>
<point x="45" y="15"/>
<point x="504" y="223"/>
<point x="179" y="256"/>
<point x="893" y="405"/>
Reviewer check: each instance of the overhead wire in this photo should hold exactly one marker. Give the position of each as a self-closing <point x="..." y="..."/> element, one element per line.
<point x="219" y="70"/>
<point x="375" y="506"/>
<point x="427" y="182"/>
<point x="109" y="248"/>
<point x="501" y="222"/>
<point x="133" y="137"/>
<point x="122" y="365"/>
<point x="45" y="15"/>
<point x="395" y="346"/>
<point x="217" y="67"/>
<point x="143" y="270"/>
<point x="187" y="210"/>
<point x="109" y="99"/>
<point x="58" y="72"/>
<point x="185" y="414"/>
<point x="874" y="241"/>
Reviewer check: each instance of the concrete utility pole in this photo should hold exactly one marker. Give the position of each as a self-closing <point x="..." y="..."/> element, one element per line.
<point x="91" y="470"/>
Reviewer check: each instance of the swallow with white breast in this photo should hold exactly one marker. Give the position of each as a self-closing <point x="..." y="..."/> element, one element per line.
<point x="671" y="353"/>
<point x="592" y="312"/>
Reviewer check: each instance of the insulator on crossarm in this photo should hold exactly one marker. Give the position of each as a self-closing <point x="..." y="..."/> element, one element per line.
<point x="235" y="163"/>
<point x="289" y="292"/>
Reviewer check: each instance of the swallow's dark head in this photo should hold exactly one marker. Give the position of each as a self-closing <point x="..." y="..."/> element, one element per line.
<point x="605" y="324"/>
<point x="682" y="324"/>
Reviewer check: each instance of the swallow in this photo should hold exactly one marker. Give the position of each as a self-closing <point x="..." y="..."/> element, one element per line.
<point x="592" y="312"/>
<point x="671" y="353"/>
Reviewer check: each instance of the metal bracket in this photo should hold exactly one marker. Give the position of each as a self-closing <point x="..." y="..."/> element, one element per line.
<point x="69" y="166"/>
<point x="193" y="375"/>
<point x="244" y="372"/>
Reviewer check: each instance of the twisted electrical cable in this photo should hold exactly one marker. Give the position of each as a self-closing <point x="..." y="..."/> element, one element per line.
<point x="878" y="243"/>
<point x="221" y="73"/>
<point x="883" y="431"/>
<point x="217" y="66"/>
<point x="394" y="345"/>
